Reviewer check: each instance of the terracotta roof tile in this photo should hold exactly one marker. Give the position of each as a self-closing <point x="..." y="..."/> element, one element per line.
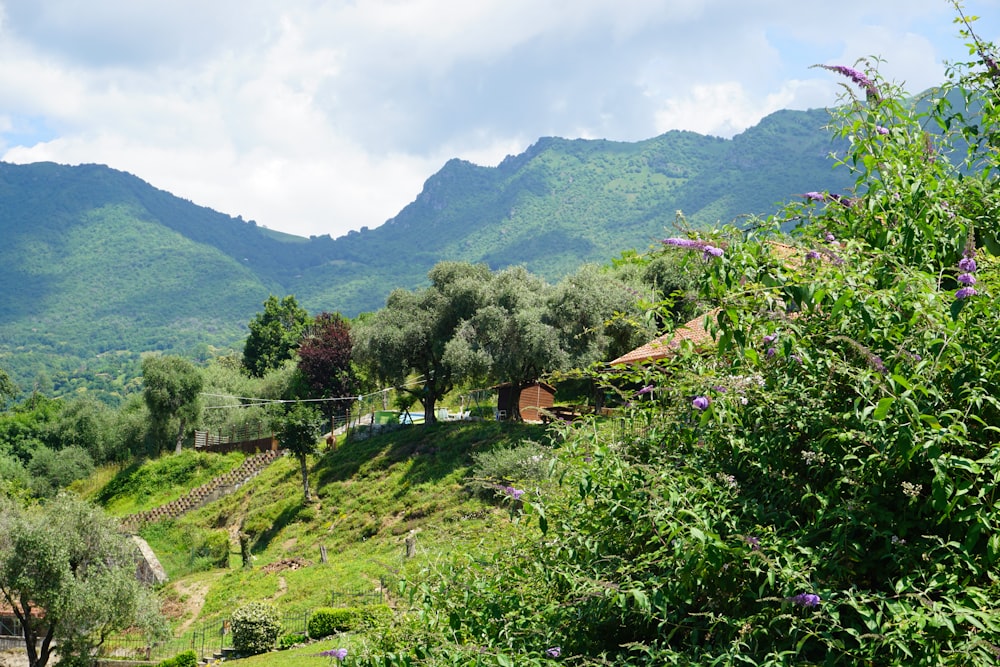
<point x="666" y="344"/>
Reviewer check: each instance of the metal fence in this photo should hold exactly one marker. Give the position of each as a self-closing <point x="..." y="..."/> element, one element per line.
<point x="356" y="597"/>
<point x="205" y="641"/>
<point x="210" y="640"/>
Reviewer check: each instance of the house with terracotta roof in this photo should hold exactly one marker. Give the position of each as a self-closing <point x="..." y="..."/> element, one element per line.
<point x="666" y="345"/>
<point x="695" y="331"/>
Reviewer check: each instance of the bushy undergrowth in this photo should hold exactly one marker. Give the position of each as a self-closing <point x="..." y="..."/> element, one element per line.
<point x="182" y="659"/>
<point x="326" y="621"/>
<point x="820" y="487"/>
<point x="525" y="462"/>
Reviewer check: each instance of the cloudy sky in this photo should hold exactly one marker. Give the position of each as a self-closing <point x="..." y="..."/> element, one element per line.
<point x="321" y="116"/>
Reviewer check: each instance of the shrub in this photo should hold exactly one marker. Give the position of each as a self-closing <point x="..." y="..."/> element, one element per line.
<point x="325" y="621"/>
<point x="291" y="639"/>
<point x="373" y="616"/>
<point x="213" y="551"/>
<point x="184" y="659"/>
<point x="255" y="628"/>
<point x="500" y="467"/>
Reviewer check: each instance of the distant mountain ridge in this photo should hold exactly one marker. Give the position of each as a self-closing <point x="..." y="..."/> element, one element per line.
<point x="98" y="265"/>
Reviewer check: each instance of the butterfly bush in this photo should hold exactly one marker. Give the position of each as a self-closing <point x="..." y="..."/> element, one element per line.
<point x="858" y="77"/>
<point x="838" y="507"/>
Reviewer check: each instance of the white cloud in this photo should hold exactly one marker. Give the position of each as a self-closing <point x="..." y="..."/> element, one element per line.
<point x="320" y="117"/>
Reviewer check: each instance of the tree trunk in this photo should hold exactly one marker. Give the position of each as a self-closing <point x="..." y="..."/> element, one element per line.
<point x="515" y="401"/>
<point x="428" y="402"/>
<point x="180" y="437"/>
<point x="305" y="478"/>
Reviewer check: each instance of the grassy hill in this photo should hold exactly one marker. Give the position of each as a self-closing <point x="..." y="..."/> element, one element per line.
<point x="370" y="495"/>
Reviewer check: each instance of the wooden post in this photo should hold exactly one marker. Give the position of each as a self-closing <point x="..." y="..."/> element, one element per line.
<point x="411" y="544"/>
<point x="322" y="553"/>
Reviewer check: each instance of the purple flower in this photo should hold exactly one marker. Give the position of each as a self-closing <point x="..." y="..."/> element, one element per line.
<point x="770" y="338"/>
<point x="881" y="130"/>
<point x="805" y="600"/>
<point x="337" y="654"/>
<point x="645" y="390"/>
<point x="686" y="243"/>
<point x="967" y="264"/>
<point x="814" y="196"/>
<point x="966" y="292"/>
<point x="967" y="279"/>
<point x="553" y="652"/>
<point x="711" y="251"/>
<point x="708" y="250"/>
<point x="857" y="77"/>
<point x="514" y="493"/>
<point x="797" y="359"/>
<point x="771" y="352"/>
<point x="700" y="402"/>
<point x="812" y="254"/>
<point x="719" y="388"/>
<point x="754" y="542"/>
<point x="878" y="364"/>
<point x="830" y="237"/>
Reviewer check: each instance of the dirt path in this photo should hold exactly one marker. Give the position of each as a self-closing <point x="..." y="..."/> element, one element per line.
<point x="14" y="658"/>
<point x="191" y="596"/>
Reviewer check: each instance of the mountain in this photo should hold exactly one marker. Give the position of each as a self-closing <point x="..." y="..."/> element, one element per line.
<point x="98" y="265"/>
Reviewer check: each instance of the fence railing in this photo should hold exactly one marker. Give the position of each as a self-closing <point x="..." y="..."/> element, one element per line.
<point x="212" y="639"/>
<point x="356" y="598"/>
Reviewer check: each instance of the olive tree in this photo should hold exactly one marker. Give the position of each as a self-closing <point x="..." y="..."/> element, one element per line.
<point x="172" y="386"/>
<point x="407" y="338"/>
<point x="69" y="575"/>
<point x="298" y="432"/>
<point x="512" y="337"/>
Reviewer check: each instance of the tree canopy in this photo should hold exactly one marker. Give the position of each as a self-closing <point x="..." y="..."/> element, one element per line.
<point x="408" y="336"/>
<point x="298" y="432"/>
<point x="274" y="336"/>
<point x="69" y="575"/>
<point x="171" y="389"/>
<point x="325" y="362"/>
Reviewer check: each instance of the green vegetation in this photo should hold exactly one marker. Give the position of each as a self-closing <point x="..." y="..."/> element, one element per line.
<point x="815" y="485"/>
<point x="109" y="268"/>
<point x="68" y="574"/>
<point x="255" y="627"/>
<point x="145" y="485"/>
<point x="326" y="621"/>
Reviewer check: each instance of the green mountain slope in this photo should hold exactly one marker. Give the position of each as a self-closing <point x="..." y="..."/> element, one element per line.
<point x="98" y="266"/>
<point x="564" y="202"/>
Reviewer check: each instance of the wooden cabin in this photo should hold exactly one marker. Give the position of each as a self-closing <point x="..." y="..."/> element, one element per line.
<point x="534" y="397"/>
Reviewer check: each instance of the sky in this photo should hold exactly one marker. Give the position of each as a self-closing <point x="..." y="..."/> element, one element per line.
<point x="319" y="117"/>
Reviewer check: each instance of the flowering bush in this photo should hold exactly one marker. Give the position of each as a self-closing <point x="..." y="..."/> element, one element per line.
<point x="821" y="487"/>
<point x="255" y="628"/>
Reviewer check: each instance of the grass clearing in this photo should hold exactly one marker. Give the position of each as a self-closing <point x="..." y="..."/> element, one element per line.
<point x="370" y="497"/>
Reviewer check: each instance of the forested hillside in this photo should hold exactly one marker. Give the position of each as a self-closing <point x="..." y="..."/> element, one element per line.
<point x="99" y="266"/>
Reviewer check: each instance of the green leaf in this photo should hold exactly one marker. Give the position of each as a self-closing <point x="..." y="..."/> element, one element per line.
<point x="882" y="409"/>
<point x="641" y="599"/>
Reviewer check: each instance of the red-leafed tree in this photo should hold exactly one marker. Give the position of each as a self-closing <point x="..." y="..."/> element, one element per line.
<point x="325" y="362"/>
